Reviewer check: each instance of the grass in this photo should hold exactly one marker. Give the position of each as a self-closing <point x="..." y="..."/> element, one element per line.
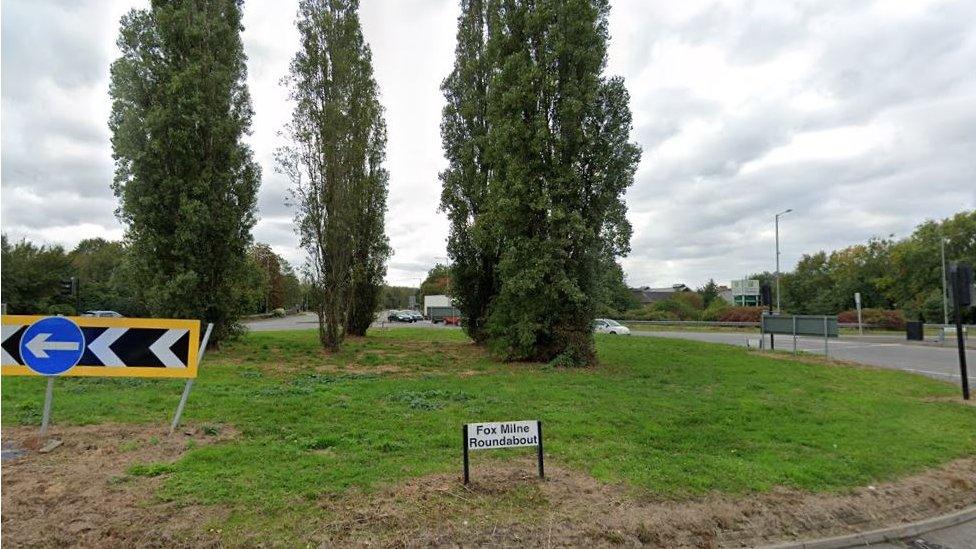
<point x="667" y="418"/>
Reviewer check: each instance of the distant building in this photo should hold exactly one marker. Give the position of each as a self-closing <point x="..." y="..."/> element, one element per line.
<point x="646" y="295"/>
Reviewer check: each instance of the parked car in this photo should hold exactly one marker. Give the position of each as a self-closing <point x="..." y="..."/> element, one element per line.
<point x="108" y="314"/>
<point x="607" y="326"/>
<point x="417" y="317"/>
<point x="400" y="316"/>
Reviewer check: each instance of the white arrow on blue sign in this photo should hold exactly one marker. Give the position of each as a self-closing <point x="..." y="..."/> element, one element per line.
<point x="52" y="346"/>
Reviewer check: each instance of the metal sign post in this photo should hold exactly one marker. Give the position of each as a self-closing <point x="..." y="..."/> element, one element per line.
<point x="189" y="382"/>
<point x="48" y="399"/>
<point x="794" y="334"/>
<point x="826" y="339"/>
<point x="962" y="276"/>
<point x="857" y="301"/>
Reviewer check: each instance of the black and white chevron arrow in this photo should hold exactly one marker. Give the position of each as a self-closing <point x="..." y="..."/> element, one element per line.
<point x="115" y="347"/>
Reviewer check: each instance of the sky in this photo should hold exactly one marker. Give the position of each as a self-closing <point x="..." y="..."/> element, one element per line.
<point x="859" y="116"/>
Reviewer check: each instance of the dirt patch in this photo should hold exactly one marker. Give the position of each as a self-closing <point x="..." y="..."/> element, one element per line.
<point x="507" y="506"/>
<point x="952" y="399"/>
<point x="80" y="493"/>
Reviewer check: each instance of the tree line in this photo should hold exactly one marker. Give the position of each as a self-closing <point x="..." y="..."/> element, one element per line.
<point x="187" y="183"/>
<point x="889" y="273"/>
<point x="536" y="136"/>
<point x="37" y="279"/>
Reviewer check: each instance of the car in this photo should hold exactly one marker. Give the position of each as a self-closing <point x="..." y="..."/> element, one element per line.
<point x="400" y="316"/>
<point x="417" y="317"/>
<point x="106" y="314"/>
<point x="607" y="326"/>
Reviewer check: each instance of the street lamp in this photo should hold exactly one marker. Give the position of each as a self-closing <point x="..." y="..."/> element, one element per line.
<point x="777" y="255"/>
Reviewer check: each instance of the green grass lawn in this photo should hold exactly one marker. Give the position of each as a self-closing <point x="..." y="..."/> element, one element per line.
<point x="666" y="418"/>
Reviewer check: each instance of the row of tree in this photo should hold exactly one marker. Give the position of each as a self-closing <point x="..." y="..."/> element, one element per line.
<point x="37" y="279"/>
<point x="901" y="274"/>
<point x="538" y="145"/>
<point x="187" y="182"/>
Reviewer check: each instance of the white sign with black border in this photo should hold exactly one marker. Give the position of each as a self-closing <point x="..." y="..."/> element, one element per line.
<point x="501" y="434"/>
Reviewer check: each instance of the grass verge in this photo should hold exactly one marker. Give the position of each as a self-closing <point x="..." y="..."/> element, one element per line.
<point x="665" y="418"/>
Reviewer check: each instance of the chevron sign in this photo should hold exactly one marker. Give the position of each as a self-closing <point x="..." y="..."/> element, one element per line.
<point x="114" y="347"/>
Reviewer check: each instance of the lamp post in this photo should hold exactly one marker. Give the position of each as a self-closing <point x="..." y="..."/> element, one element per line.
<point x="945" y="291"/>
<point x="784" y="212"/>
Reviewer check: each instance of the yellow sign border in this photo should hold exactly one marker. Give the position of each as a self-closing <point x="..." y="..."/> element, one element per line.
<point x="117" y="371"/>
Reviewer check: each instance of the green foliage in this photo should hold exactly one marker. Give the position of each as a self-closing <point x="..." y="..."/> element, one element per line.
<point x="334" y="160"/>
<point x="536" y="174"/>
<point x="397" y="297"/>
<point x="905" y="274"/>
<point x="32" y="277"/>
<point x="660" y="417"/>
<point x="465" y="197"/>
<point x="708" y="293"/>
<point x="185" y="179"/>
<point x="438" y="282"/>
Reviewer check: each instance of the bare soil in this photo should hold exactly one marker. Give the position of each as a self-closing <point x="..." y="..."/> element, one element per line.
<point x="507" y="506"/>
<point x="80" y="494"/>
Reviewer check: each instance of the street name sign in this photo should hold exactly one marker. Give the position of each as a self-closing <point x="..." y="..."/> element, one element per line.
<point x="501" y="434"/>
<point x="98" y="346"/>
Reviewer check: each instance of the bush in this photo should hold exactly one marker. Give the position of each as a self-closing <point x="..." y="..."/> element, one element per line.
<point x="715" y="310"/>
<point x="278" y="313"/>
<point x="680" y="308"/>
<point x="66" y="310"/>
<point x="741" y="314"/>
<point x="881" y="318"/>
<point x="691" y="299"/>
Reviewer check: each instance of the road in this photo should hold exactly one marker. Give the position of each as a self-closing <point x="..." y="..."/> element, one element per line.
<point x="884" y="351"/>
<point x="308" y="321"/>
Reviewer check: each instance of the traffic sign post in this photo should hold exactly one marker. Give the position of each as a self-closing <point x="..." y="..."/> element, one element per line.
<point x="961" y="276"/>
<point x="97" y="346"/>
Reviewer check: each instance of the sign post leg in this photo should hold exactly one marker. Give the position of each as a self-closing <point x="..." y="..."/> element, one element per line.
<point x="960" y="339"/>
<point x="542" y="467"/>
<point x="48" y="397"/>
<point x="826" y="348"/>
<point x="179" y="409"/>
<point x="464" y="451"/>
<point x="189" y="382"/>
<point x="794" y="334"/>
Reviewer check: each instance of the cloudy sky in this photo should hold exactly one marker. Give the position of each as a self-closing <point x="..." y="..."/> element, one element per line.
<point x="858" y="115"/>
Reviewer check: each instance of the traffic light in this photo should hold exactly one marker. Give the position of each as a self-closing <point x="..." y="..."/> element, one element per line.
<point x="68" y="286"/>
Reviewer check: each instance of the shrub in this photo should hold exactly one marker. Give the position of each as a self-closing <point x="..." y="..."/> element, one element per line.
<point x="715" y="310"/>
<point x="741" y="314"/>
<point x="279" y="313"/>
<point x="680" y="308"/>
<point x="692" y="299"/>
<point x="882" y="318"/>
<point x="66" y="310"/>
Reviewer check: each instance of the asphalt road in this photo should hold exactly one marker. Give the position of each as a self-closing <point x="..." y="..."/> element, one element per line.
<point x="884" y="351"/>
<point x="308" y="321"/>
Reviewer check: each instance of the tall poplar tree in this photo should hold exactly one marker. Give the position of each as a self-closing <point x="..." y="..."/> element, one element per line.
<point x="549" y="175"/>
<point x="338" y="140"/>
<point x="472" y="245"/>
<point x="185" y="179"/>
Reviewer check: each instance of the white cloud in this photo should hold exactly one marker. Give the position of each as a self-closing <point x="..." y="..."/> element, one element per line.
<point x="858" y="115"/>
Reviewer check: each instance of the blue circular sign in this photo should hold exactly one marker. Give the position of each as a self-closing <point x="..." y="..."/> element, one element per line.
<point x="52" y="346"/>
